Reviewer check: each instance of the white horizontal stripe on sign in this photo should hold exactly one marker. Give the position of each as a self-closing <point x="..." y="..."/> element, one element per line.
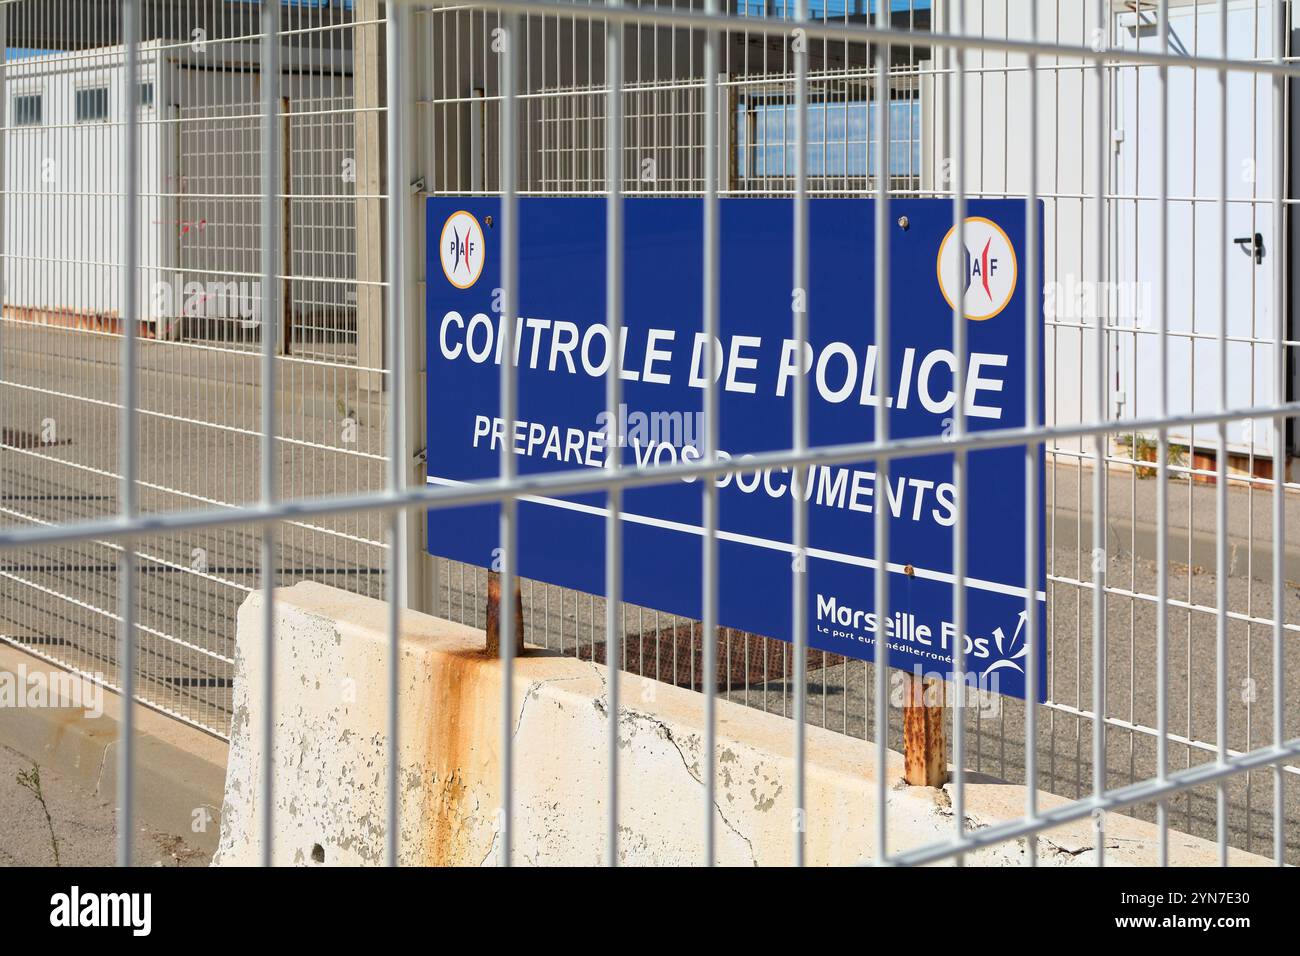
<point x="978" y="584"/>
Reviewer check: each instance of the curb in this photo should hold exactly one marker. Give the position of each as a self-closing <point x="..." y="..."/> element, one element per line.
<point x="180" y="771"/>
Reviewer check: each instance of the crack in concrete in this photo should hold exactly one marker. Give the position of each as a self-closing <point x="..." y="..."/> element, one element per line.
<point x="970" y="823"/>
<point x="529" y="692"/>
<point x="492" y="848"/>
<point x="103" y="762"/>
<point x="1066" y="851"/>
<point x="666" y="732"/>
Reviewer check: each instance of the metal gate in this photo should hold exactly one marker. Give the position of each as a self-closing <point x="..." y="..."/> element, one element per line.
<point x="1169" y="346"/>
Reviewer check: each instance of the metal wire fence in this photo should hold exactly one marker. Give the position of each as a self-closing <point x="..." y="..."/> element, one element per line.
<point x="199" y="127"/>
<point x="262" y="432"/>
<point x="563" y="153"/>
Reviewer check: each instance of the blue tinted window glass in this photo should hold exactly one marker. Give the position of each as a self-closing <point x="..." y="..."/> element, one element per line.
<point x="817" y="9"/>
<point x="841" y="138"/>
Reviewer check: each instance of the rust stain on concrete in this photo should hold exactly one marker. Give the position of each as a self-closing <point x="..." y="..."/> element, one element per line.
<point x="453" y="734"/>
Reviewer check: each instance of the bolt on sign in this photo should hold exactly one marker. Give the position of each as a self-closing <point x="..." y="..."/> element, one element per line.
<point x="562" y="350"/>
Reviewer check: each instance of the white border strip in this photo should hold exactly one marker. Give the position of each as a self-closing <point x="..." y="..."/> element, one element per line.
<point x="977" y="584"/>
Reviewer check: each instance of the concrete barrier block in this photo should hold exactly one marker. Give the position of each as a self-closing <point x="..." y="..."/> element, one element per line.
<point x="330" y="762"/>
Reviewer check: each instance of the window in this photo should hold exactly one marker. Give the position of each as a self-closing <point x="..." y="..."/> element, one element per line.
<point x="28" y="109"/>
<point x="92" y="104"/>
<point x="819" y="9"/>
<point x="841" y="137"/>
<point x="146" y="94"/>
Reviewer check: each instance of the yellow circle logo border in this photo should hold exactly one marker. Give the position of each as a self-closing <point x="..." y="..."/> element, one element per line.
<point x="442" y="237"/>
<point x="1015" y="270"/>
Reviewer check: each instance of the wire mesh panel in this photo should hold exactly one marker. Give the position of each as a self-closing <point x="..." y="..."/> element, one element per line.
<point x="1086" y="272"/>
<point x="242" y="398"/>
<point x="199" y="116"/>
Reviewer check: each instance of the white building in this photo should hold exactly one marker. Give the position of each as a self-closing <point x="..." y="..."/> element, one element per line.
<point x="199" y="183"/>
<point x="1127" y="282"/>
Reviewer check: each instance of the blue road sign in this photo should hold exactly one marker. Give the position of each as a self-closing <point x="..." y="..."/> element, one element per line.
<point x="563" y="349"/>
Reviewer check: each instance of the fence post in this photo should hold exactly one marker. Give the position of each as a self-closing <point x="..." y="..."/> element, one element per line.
<point x="368" y="186"/>
<point x="493" y="628"/>
<point x="924" y="763"/>
<point x="286" y="228"/>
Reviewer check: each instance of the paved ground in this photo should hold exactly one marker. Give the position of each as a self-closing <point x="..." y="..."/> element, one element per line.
<point x="81" y="821"/>
<point x="198" y="449"/>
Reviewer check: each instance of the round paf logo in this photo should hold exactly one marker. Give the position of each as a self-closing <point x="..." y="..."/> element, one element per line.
<point x="982" y="275"/>
<point x="462" y="249"/>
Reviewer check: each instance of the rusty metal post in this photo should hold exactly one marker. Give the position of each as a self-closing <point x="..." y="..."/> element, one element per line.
<point x="494" y="616"/>
<point x="924" y="756"/>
